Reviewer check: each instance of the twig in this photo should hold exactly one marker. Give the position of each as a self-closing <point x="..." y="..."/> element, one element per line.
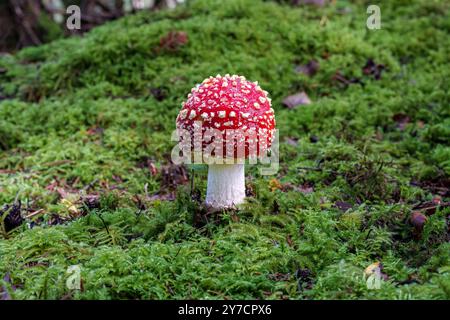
<point x="34" y="213"/>
<point x="90" y="185"/>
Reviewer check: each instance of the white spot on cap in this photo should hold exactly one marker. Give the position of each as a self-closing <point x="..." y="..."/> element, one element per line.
<point x="256" y="105"/>
<point x="245" y="115"/>
<point x="205" y="115"/>
<point x="262" y="99"/>
<point x="183" y="114"/>
<point x="192" y="114"/>
<point x="232" y="114"/>
<point x="222" y="114"/>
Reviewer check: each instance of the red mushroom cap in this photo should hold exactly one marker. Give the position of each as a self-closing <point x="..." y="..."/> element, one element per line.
<point x="230" y="102"/>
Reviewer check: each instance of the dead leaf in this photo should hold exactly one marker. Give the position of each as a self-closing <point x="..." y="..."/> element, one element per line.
<point x="291" y="141"/>
<point x="306" y="189"/>
<point x="4" y="294"/>
<point x="314" y="139"/>
<point x="173" y="41"/>
<point x="52" y="186"/>
<point x="339" y="77"/>
<point x="374" y="69"/>
<point x="159" y="93"/>
<point x="304" y="278"/>
<point x="274" y="184"/>
<point x="402" y="120"/>
<point x="420" y="124"/>
<point x="94" y="131"/>
<point x="279" y="276"/>
<point x="5" y="171"/>
<point x="439" y="185"/>
<point x="13" y="218"/>
<point x="296" y="100"/>
<point x="308" y="69"/>
<point x="318" y="3"/>
<point x="289" y="240"/>
<point x="235" y="217"/>
<point x="173" y="175"/>
<point x="343" y="206"/>
<point x="162" y="197"/>
<point x="418" y="220"/>
<point x="429" y="207"/>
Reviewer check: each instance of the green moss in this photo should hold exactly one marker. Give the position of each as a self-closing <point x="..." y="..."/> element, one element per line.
<point x="83" y="113"/>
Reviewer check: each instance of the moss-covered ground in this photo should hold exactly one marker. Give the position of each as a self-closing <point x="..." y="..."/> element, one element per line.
<point x="364" y="175"/>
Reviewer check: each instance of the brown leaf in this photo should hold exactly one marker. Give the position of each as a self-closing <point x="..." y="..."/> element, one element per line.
<point x="91" y="201"/>
<point x="339" y="77"/>
<point x="308" y="69"/>
<point x="13" y="217"/>
<point x="289" y="240"/>
<point x="343" y="206"/>
<point x="4" y="294"/>
<point x="173" y="175"/>
<point x="291" y="141"/>
<point x="274" y="184"/>
<point x="402" y="120"/>
<point x="62" y="193"/>
<point x="318" y="3"/>
<point x="235" y="217"/>
<point x="173" y="41"/>
<point x="279" y="276"/>
<point x="430" y="207"/>
<point x="371" y="68"/>
<point x="5" y="171"/>
<point x="94" y="131"/>
<point x="306" y="188"/>
<point x="418" y="220"/>
<point x="296" y="100"/>
<point x="162" y="197"/>
<point x="420" y="124"/>
<point x="147" y="162"/>
<point x="304" y="279"/>
<point x="439" y="185"/>
<point x="52" y="186"/>
<point x="276" y="207"/>
<point x="158" y="93"/>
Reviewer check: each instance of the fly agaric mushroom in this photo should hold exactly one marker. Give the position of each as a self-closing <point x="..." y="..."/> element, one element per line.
<point x="229" y="104"/>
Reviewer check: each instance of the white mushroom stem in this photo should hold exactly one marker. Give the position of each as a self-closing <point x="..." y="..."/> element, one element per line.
<point x="226" y="185"/>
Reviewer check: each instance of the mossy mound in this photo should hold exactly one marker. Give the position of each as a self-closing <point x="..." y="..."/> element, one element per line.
<point x="85" y="128"/>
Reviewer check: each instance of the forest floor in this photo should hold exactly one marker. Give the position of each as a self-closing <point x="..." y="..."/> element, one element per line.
<point x="364" y="179"/>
